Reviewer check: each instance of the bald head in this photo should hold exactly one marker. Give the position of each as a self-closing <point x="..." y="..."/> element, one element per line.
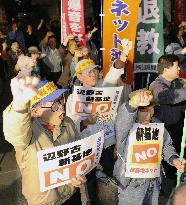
<point x="178" y="197"/>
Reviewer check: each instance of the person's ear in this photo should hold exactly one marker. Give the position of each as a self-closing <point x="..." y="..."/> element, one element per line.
<point x="36" y="112"/>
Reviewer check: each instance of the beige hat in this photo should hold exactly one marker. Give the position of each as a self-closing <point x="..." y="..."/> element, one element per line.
<point x="85" y="64"/>
<point x="33" y="49"/>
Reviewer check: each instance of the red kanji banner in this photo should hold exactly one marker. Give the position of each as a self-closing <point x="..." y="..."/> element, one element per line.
<point x="73" y="19"/>
<point x="179" y="11"/>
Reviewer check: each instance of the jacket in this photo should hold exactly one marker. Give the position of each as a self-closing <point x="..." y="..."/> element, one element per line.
<point x="110" y="80"/>
<point x="125" y="119"/>
<point x="29" y="136"/>
<point x="170" y="96"/>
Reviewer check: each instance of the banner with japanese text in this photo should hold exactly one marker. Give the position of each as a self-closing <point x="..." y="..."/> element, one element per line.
<point x="73" y="20"/>
<point x="102" y="101"/>
<point x="119" y="22"/>
<point x="144" y="150"/>
<point x="149" y="37"/>
<point x="58" y="165"/>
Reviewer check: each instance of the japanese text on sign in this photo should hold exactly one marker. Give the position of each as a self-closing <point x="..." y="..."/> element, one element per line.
<point x="144" y="150"/>
<point x="58" y="165"/>
<point x="95" y="100"/>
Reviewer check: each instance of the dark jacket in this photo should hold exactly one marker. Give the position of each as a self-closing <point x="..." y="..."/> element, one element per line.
<point x="171" y="97"/>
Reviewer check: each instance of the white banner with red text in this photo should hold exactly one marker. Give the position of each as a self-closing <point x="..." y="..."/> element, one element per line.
<point x="72" y="22"/>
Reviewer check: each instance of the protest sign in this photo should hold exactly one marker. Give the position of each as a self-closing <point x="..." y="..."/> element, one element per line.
<point x="72" y="14"/>
<point x="58" y="165"/>
<point x="144" y="151"/>
<point x="100" y="101"/>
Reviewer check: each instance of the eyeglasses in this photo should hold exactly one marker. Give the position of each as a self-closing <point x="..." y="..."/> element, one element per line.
<point x="58" y="104"/>
<point x="89" y="73"/>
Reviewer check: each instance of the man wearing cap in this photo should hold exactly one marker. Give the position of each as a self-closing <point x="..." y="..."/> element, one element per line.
<point x="47" y="128"/>
<point x="140" y="151"/>
<point x="87" y="74"/>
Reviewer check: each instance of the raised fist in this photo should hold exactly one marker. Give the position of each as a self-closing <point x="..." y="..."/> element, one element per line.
<point x="127" y="46"/>
<point x="142" y="97"/>
<point x="23" y="90"/>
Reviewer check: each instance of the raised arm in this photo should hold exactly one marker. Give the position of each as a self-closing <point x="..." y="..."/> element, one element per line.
<point x="17" y="117"/>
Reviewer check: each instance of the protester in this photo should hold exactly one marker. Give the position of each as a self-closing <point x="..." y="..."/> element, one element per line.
<point x="91" y="45"/>
<point x="137" y="189"/>
<point x="169" y="91"/>
<point x="30" y="36"/>
<point x="13" y="55"/>
<point x="5" y="72"/>
<point x="87" y="75"/>
<point x="67" y="49"/>
<point x="47" y="128"/>
<point x="40" y="68"/>
<point x="53" y="59"/>
<point x="44" y="42"/>
<point x="4" y="96"/>
<point x="16" y="34"/>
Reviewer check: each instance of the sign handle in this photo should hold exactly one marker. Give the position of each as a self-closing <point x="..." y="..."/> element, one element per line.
<point x="182" y="150"/>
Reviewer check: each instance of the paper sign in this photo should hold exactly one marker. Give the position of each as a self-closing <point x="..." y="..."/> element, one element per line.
<point x="144" y="150"/>
<point x="58" y="165"/>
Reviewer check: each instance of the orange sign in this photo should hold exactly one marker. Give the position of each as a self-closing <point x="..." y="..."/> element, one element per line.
<point x="92" y="107"/>
<point x="145" y="153"/>
<point x="119" y="22"/>
<point x="66" y="173"/>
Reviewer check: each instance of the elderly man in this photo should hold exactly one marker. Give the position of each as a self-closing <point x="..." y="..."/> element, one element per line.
<point x="138" y="166"/>
<point x="47" y="128"/>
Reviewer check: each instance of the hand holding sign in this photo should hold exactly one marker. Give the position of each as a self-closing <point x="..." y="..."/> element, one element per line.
<point x="69" y="37"/>
<point x="179" y="166"/>
<point x="78" y="181"/>
<point x="23" y="90"/>
<point x="88" y="121"/>
<point x="127" y="46"/>
<point x="141" y="97"/>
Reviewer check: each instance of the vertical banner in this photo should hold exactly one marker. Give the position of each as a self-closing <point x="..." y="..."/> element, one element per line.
<point x="179" y="11"/>
<point x="149" y="36"/>
<point x="73" y="19"/>
<point x="119" y="22"/>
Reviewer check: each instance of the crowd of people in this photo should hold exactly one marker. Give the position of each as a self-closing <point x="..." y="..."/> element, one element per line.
<point x="35" y="65"/>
